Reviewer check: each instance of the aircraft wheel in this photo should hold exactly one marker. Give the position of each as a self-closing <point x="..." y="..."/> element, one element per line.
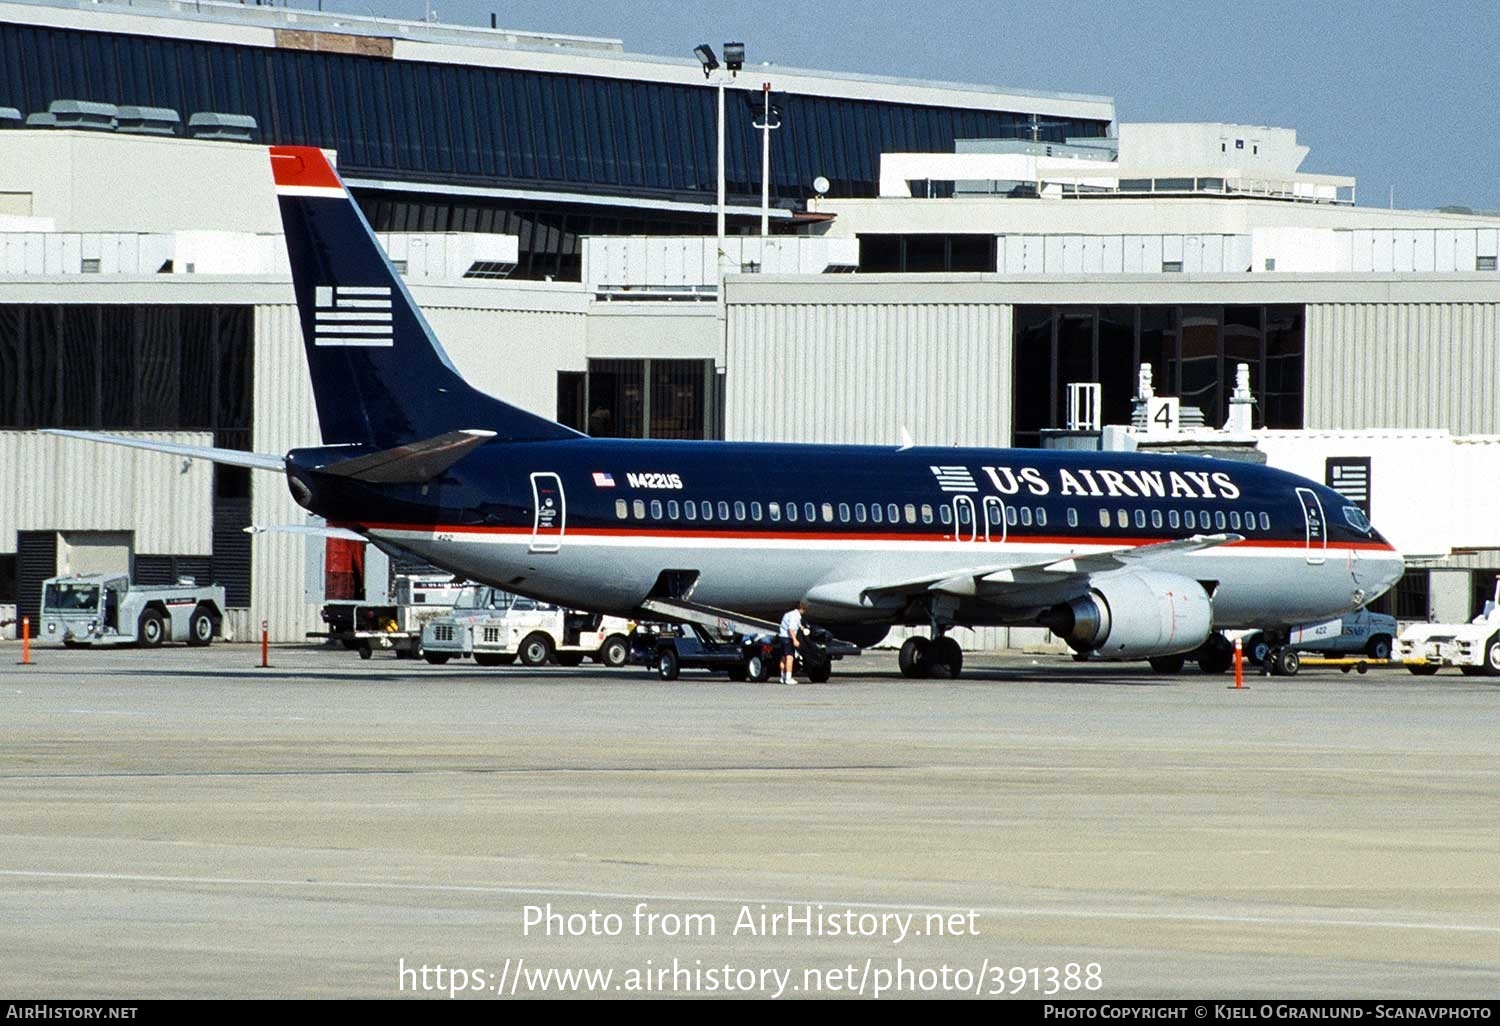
<point x="200" y="627"/>
<point x="913" y="657"/>
<point x="536" y="649"/>
<point x="614" y="651"/>
<point x="1217" y="654"/>
<point x="1286" y="662"/>
<point x="1379" y="648"/>
<point x="1168" y="664"/>
<point x="946" y="655"/>
<point x="667" y="665"/>
<point x="150" y="629"/>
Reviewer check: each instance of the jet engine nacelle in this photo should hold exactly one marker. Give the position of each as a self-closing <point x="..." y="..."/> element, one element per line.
<point x="1136" y="614"/>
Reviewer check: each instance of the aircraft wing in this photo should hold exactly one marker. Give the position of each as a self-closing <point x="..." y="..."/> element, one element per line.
<point x="232" y="457"/>
<point x="997" y="579"/>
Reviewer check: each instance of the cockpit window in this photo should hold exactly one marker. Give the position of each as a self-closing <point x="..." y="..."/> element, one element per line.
<point x="1357" y="519"/>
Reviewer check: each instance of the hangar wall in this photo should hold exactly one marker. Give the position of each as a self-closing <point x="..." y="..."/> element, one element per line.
<point x="1406" y="364"/>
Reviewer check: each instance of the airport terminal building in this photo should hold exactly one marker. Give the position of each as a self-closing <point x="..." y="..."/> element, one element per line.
<point x="940" y="259"/>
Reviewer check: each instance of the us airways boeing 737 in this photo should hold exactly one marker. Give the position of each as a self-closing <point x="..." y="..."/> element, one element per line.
<point x="1125" y="556"/>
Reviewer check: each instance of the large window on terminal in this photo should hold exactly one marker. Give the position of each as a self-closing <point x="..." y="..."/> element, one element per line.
<point x="1192" y="351"/>
<point x="643" y="399"/>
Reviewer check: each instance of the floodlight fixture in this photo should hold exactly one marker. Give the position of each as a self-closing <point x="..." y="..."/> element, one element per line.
<point x="734" y="57"/>
<point x="705" y="55"/>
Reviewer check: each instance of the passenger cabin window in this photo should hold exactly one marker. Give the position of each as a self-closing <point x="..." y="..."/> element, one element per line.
<point x="859" y="512"/>
<point x="926" y="513"/>
<point x="893" y="514"/>
<point x="655" y="509"/>
<point x="739" y="511"/>
<point x="809" y="512"/>
<point x="1174" y="519"/>
<point x="1156" y="519"/>
<point x="827" y="512"/>
<point x="1104" y="518"/>
<point x="1025" y="516"/>
<point x="1072" y="517"/>
<point x="1219" y="519"/>
<point x="791" y="512"/>
<point x="1265" y="522"/>
<point x="843" y="512"/>
<point x="877" y="513"/>
<point x="707" y="509"/>
<point x="774" y="508"/>
<point x="1190" y="520"/>
<point x="1041" y="516"/>
<point x="945" y="514"/>
<point x="622" y="509"/>
<point x="1234" y="519"/>
<point x="1122" y="518"/>
<point x="640" y="509"/>
<point x="1140" y="518"/>
<point x="755" y="511"/>
<point x="690" y="509"/>
<point x="673" y="510"/>
<point x="911" y="513"/>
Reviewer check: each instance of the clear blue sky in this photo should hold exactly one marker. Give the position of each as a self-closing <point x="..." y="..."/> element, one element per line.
<point x="1400" y="95"/>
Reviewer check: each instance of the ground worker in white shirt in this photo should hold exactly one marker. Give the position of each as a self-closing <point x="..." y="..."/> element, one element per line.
<point x="791" y="640"/>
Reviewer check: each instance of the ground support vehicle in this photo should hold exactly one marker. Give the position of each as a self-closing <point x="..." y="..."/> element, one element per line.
<point x="107" y="609"/>
<point x="1339" y="642"/>
<point x="395" y="626"/>
<point x="1473" y="647"/>
<point x="668" y="649"/>
<point x="497" y="628"/>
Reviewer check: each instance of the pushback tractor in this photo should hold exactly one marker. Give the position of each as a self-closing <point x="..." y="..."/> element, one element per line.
<point x="107" y="609"/>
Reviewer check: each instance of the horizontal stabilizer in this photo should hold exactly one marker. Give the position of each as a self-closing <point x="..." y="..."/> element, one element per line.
<point x="412" y="463"/>
<point x="311" y="530"/>
<point x="231" y="457"/>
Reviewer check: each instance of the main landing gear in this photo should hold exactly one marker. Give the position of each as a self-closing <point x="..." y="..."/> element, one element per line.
<point x="935" y="657"/>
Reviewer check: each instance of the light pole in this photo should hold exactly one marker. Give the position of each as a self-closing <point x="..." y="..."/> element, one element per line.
<point x="734" y="60"/>
<point x="770" y="118"/>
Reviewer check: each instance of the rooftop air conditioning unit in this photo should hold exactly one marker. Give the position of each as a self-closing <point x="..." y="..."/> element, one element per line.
<point x="226" y="127"/>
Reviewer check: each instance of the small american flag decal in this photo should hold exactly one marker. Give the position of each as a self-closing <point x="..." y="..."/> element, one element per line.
<point x="603" y="480"/>
<point x="352" y="315"/>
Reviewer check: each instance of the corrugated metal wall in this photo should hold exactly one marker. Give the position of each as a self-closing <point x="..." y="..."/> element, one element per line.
<point x="859" y="372"/>
<point x="284" y="418"/>
<point x="62" y="484"/>
<point x="1404" y="365"/>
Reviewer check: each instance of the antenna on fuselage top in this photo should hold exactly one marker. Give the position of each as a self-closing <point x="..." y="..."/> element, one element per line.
<point x="906" y="439"/>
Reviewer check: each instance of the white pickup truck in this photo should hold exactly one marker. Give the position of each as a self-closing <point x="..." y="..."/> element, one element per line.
<point x="498" y="628"/>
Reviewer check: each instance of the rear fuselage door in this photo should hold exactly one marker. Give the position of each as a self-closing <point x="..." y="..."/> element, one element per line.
<point x="551" y="520"/>
<point x="1317" y="527"/>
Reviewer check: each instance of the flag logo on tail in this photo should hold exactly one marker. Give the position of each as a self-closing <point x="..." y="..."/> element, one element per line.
<point x="352" y="315"/>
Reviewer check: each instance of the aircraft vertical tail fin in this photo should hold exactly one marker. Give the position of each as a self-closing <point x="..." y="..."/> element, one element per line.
<point x="379" y="375"/>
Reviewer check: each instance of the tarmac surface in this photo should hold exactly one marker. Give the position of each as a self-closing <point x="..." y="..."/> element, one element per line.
<point x="180" y="823"/>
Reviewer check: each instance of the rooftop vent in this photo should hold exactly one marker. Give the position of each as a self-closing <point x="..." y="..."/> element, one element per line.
<point x="149" y="121"/>
<point x="228" y="127"/>
<point x="10" y="117"/>
<point x="85" y="114"/>
<point x="40" y="120"/>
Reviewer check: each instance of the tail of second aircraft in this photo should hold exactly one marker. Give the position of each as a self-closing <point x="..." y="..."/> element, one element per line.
<point x="379" y="376"/>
